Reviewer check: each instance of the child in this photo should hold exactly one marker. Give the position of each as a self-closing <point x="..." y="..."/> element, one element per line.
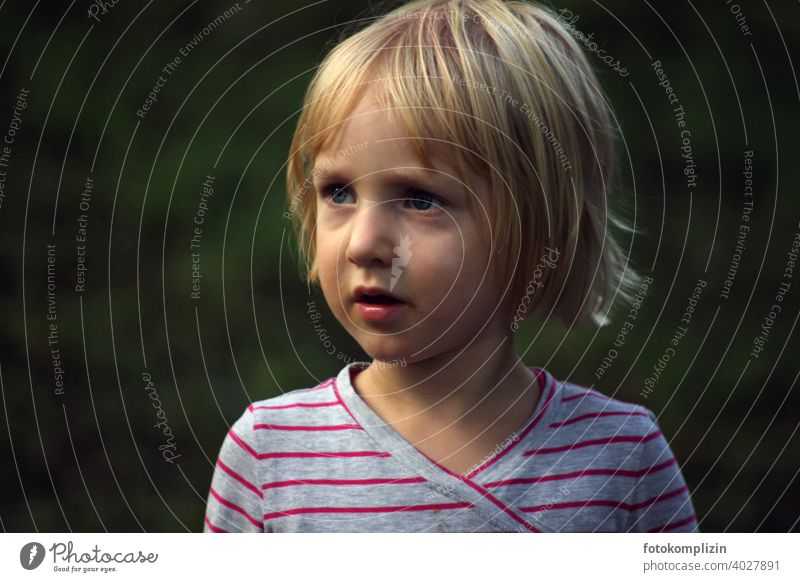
<point x="448" y="177"/>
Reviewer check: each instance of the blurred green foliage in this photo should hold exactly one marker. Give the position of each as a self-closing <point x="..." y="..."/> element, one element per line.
<point x="89" y="459"/>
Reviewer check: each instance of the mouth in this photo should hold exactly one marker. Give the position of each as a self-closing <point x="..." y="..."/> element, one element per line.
<point x="377" y="305"/>
<point x="375" y="296"/>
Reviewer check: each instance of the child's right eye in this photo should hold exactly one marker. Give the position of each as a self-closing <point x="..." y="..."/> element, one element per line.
<point x="336" y="192"/>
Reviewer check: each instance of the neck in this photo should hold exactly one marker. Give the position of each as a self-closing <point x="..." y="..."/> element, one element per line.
<point x="485" y="380"/>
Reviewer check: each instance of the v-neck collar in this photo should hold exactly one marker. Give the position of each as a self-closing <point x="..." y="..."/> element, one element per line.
<point x="461" y="487"/>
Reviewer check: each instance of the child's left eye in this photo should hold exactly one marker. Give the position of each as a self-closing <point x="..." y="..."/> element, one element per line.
<point x="421" y="200"/>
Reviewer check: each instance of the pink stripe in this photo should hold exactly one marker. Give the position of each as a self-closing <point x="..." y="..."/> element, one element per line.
<point x="307" y="454"/>
<point x="325" y="384"/>
<point x="302" y="454"/>
<point x="674" y="524"/>
<point x="606" y="503"/>
<point x="306" y="427"/>
<point x="244" y="445"/>
<point x="293" y="482"/>
<point x="239" y="478"/>
<point x="214" y="528"/>
<point x="295" y="405"/>
<point x="593" y="442"/>
<point x="235" y="507"/>
<point x="586" y="392"/>
<point x="484" y="493"/>
<point x="387" y="509"/>
<point x="585" y="473"/>
<point x="551" y="391"/>
<point x="595" y="415"/>
<point x="660" y="498"/>
<point x="507" y="510"/>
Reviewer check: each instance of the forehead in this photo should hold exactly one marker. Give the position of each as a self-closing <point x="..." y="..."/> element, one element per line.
<point x="377" y="134"/>
<point x="369" y="124"/>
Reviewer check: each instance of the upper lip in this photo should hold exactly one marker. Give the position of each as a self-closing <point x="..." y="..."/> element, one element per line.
<point x="363" y="290"/>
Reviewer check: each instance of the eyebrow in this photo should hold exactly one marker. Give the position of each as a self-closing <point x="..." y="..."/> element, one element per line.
<point x="422" y="177"/>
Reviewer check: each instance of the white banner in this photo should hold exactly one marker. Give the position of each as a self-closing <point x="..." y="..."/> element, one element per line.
<point x="379" y="557"/>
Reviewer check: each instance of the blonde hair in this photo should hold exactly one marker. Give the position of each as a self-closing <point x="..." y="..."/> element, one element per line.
<point x="510" y="87"/>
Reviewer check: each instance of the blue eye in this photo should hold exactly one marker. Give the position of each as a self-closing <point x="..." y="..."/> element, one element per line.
<point x="419" y="199"/>
<point x="423" y="201"/>
<point x="336" y="193"/>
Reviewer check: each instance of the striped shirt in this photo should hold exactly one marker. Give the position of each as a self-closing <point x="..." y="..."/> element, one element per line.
<point x="321" y="460"/>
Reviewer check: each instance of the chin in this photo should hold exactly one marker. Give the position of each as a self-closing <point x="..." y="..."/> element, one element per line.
<point x="402" y="355"/>
<point x="388" y="355"/>
<point x="388" y="351"/>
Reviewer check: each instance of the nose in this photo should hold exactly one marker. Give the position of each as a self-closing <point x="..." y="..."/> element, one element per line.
<point x="371" y="242"/>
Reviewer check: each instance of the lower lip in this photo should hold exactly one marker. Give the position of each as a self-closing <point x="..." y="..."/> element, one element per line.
<point x="378" y="312"/>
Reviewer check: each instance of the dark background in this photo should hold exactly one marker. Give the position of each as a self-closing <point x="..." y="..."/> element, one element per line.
<point x="89" y="459"/>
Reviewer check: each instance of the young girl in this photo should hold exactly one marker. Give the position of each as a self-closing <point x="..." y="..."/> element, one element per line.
<point x="448" y="177"/>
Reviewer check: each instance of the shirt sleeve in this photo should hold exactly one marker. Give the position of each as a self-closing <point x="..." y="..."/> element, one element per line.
<point x="235" y="497"/>
<point x="660" y="501"/>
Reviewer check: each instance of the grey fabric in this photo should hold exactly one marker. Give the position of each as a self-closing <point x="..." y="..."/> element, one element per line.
<point x="321" y="460"/>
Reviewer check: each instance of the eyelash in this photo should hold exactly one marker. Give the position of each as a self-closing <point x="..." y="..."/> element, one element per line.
<point x="327" y="192"/>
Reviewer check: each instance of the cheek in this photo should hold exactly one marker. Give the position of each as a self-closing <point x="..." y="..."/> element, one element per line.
<point x="450" y="276"/>
<point x="335" y="299"/>
<point x="327" y="270"/>
<point x="327" y="240"/>
<point x="475" y="290"/>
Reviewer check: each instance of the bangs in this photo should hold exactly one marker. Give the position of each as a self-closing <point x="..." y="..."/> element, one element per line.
<point x="433" y="67"/>
<point x="503" y="90"/>
<point x="417" y="65"/>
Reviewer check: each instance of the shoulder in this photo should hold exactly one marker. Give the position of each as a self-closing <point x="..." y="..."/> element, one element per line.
<point x="630" y="432"/>
<point x="295" y="406"/>
<point x="607" y="431"/>
<point x="632" y="440"/>
<point x="284" y="423"/>
<point x="301" y="406"/>
<point x="622" y="457"/>
<point x="593" y="411"/>
<point x="315" y="397"/>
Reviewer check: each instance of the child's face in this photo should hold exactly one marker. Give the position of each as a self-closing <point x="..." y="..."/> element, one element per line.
<point x="384" y="221"/>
